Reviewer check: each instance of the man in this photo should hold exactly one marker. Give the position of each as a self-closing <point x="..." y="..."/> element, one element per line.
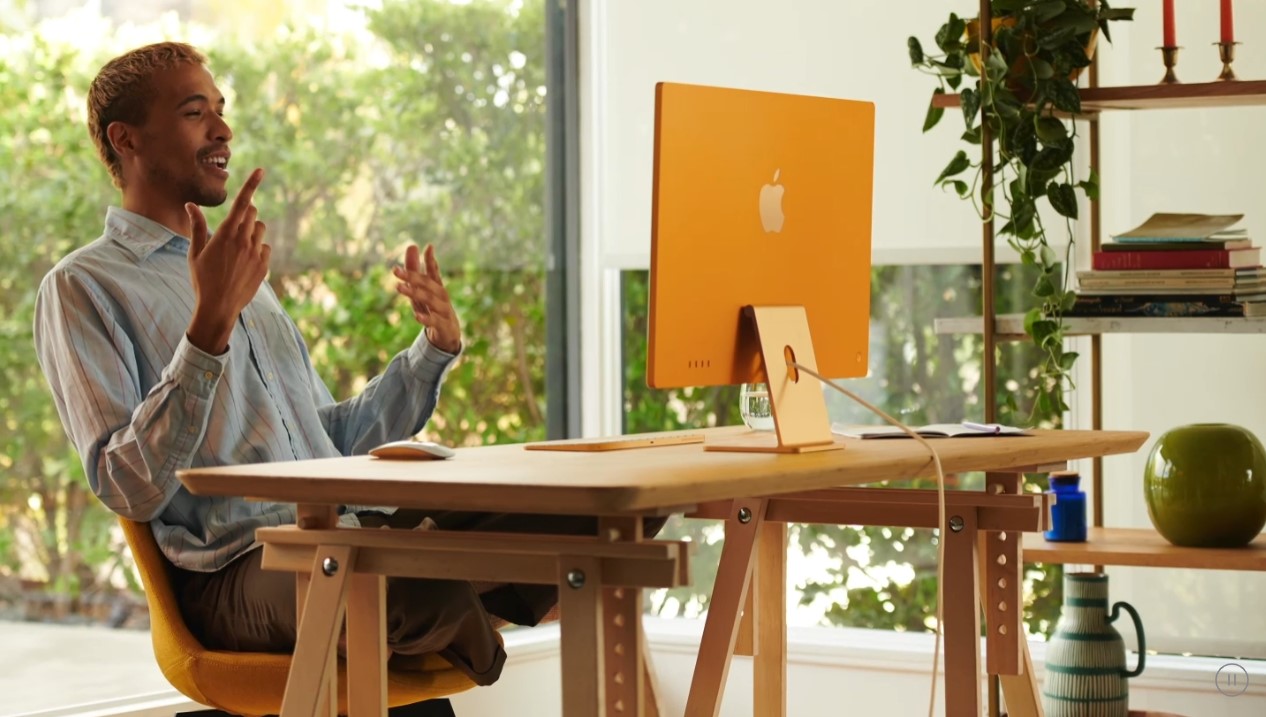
<point x="164" y="350"/>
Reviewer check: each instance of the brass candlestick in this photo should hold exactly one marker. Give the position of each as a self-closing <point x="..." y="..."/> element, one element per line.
<point x="1169" y="54"/>
<point x="1226" y="51"/>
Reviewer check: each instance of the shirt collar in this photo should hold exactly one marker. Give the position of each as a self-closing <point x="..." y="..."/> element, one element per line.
<point x="139" y="235"/>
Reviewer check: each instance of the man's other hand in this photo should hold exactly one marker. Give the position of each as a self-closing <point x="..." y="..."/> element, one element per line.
<point x="226" y="268"/>
<point x="431" y="305"/>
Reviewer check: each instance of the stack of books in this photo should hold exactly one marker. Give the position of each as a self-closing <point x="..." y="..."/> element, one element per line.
<point x="1176" y="265"/>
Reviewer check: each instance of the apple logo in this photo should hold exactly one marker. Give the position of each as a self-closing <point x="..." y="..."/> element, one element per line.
<point x="771" y="205"/>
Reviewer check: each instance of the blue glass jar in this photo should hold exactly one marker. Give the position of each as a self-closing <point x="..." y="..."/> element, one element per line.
<point x="1068" y="515"/>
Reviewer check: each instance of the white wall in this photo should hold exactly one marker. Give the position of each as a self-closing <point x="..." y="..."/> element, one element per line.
<point x="832" y="672"/>
<point x="1197" y="160"/>
<point x="853" y="50"/>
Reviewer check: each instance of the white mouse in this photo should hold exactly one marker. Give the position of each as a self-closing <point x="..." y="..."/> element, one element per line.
<point x="412" y="450"/>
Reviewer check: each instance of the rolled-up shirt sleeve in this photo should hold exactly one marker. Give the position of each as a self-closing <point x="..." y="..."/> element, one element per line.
<point x="131" y="445"/>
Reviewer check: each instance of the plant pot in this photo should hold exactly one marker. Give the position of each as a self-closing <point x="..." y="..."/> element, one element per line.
<point x="1205" y="485"/>
<point x="971" y="36"/>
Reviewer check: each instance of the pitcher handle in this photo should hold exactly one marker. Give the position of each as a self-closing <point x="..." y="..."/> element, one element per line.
<point x="1138" y="629"/>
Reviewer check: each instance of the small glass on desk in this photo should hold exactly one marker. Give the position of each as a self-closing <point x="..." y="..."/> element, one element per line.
<point x="1068" y="515"/>
<point x="755" y="408"/>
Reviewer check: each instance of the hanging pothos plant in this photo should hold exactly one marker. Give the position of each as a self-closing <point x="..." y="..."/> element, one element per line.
<point x="1026" y="84"/>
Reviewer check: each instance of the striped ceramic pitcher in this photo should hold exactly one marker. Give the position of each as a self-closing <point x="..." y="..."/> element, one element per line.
<point x="1085" y="660"/>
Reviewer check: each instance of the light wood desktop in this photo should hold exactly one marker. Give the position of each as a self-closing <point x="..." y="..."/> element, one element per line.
<point x="600" y="577"/>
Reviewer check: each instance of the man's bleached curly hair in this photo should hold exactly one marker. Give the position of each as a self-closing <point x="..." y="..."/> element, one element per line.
<point x="122" y="90"/>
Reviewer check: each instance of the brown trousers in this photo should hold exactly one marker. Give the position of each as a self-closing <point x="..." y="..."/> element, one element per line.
<point x="243" y="607"/>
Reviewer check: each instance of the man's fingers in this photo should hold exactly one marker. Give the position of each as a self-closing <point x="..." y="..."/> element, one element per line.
<point x="411" y="263"/>
<point x="431" y="294"/>
<point x="246" y="229"/>
<point x="432" y="284"/>
<point x="257" y="236"/>
<point x="244" y="197"/>
<point x="198" y="238"/>
<point x="432" y="266"/>
<point x="265" y="254"/>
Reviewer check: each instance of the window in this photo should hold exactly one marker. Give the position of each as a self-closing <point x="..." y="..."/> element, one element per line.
<point x="404" y="121"/>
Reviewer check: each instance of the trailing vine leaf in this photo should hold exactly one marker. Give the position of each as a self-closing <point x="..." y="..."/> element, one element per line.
<point x="1051" y="131"/>
<point x="916" y="50"/>
<point x="971" y="105"/>
<point x="957" y="165"/>
<point x="1067" y="360"/>
<point x="996" y="67"/>
<point x="1063" y="199"/>
<point x="1045" y="287"/>
<point x="1048" y="257"/>
<point x="1055" y="38"/>
<point x="1064" y="95"/>
<point x="934" y="113"/>
<point x="1007" y="104"/>
<point x="949" y="37"/>
<point x="1047" y="10"/>
<point x="1027" y="77"/>
<point x="1091" y="186"/>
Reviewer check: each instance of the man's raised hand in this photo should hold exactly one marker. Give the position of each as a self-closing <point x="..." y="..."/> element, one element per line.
<point x="430" y="302"/>
<point x="226" y="268"/>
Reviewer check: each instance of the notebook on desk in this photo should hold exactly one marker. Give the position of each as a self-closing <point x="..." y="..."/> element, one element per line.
<point x="932" y="430"/>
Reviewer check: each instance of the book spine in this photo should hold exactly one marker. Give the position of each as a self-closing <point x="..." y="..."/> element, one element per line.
<point x="1157" y="305"/>
<point x="1194" y="259"/>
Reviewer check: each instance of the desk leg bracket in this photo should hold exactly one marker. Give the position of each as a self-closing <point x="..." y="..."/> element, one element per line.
<point x="720" y="630"/>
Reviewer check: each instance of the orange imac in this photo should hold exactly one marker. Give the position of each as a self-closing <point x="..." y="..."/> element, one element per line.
<point x="760" y="249"/>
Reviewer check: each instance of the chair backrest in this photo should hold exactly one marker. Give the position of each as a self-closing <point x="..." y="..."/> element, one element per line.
<point x="175" y="647"/>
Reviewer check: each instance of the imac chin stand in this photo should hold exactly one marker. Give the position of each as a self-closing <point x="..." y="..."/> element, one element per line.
<point x="801" y="424"/>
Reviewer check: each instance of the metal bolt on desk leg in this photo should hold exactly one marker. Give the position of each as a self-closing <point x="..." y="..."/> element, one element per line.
<point x="745" y="515"/>
<point x="956" y="523"/>
<point x="576" y="579"/>
<point x="329" y="566"/>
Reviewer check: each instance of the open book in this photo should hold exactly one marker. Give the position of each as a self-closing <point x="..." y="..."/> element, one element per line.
<point x="934" y="430"/>
<point x="1185" y="228"/>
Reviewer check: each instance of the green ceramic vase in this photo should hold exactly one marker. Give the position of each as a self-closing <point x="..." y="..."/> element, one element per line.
<point x="1205" y="485"/>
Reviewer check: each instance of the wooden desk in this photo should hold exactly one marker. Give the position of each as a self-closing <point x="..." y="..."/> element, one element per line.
<point x="619" y="486"/>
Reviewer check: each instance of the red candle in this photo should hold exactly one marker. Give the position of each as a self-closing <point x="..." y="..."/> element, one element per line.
<point x="1228" y="24"/>
<point x="1169" y="22"/>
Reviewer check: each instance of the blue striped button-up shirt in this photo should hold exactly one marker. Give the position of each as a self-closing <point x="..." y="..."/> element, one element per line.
<point x="140" y="402"/>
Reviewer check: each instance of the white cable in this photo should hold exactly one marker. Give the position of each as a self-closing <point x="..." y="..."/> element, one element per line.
<point x="940" y="501"/>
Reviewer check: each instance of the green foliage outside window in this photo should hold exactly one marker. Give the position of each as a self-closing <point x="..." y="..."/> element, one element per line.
<point x="432" y="129"/>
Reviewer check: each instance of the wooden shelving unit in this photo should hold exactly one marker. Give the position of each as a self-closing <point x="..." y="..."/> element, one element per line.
<point x="1240" y="93"/>
<point x="1096" y="99"/>
<point x="1011" y="326"/>
<point x="1104" y="546"/>
<point x="1142" y="547"/>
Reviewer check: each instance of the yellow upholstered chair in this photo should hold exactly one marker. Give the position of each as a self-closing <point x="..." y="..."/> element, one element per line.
<point x="252" y="683"/>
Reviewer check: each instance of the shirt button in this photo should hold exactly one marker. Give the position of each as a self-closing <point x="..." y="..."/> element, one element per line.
<point x="208" y="375"/>
<point x="193" y="429"/>
<point x="250" y="324"/>
<point x="270" y="375"/>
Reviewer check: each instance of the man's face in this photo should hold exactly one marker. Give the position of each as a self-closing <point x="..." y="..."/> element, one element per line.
<point x="184" y="143"/>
